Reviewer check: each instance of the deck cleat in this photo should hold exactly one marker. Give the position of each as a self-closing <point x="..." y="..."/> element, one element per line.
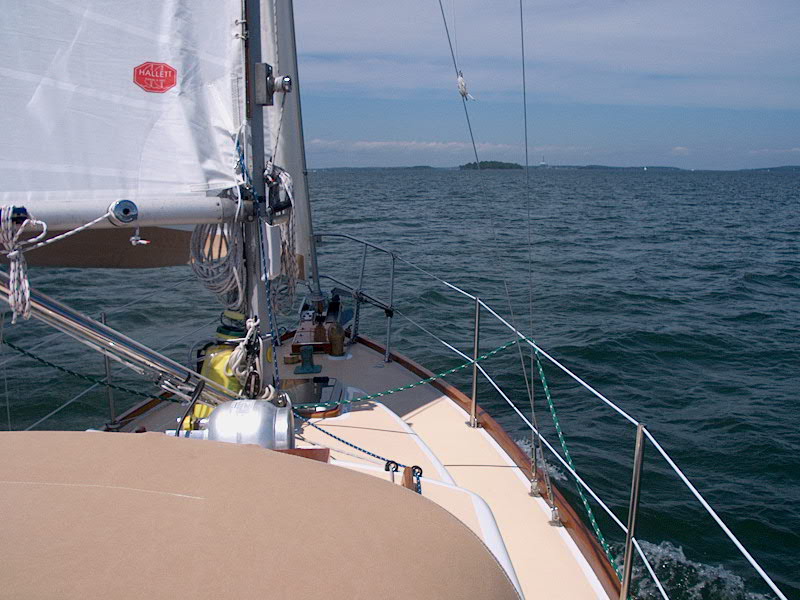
<point x="307" y="367"/>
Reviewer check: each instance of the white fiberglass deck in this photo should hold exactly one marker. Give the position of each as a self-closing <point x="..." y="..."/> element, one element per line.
<point x="464" y="469"/>
<point x="421" y="426"/>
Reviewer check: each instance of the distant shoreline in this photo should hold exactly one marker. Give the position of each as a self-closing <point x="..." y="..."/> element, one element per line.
<point x="783" y="168"/>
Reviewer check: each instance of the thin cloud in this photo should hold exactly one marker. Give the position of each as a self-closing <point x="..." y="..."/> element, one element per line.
<point x="680" y="151"/>
<point x="766" y="151"/>
<point x="643" y="53"/>
<point x="404" y="146"/>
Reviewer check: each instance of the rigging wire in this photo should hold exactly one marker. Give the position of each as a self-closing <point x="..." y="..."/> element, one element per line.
<point x="463" y="96"/>
<point x="534" y="439"/>
<point x="5" y="371"/>
<point x="455" y="30"/>
<point x="527" y="165"/>
<point x="96" y="381"/>
<point x="49" y="338"/>
<point x="495" y="240"/>
<point x="495" y="245"/>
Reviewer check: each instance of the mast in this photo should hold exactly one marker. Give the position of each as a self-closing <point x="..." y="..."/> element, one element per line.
<point x="255" y="157"/>
<point x="271" y="39"/>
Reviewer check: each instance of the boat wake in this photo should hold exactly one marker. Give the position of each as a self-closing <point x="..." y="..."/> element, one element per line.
<point x="555" y="472"/>
<point x="685" y="579"/>
<point x="681" y="577"/>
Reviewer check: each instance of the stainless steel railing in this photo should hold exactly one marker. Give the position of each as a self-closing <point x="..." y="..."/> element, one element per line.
<point x="133" y="354"/>
<point x="643" y="435"/>
<point x="357" y="291"/>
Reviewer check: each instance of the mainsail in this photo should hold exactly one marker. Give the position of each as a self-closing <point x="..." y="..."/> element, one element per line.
<point x="125" y="124"/>
<point x="104" y="101"/>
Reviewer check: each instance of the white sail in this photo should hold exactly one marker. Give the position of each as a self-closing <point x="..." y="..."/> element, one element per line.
<point x="283" y="135"/>
<point x="103" y="100"/>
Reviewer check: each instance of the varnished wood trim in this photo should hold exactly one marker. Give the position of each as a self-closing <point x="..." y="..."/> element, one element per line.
<point x="408" y="479"/>
<point x="321" y="414"/>
<point x="320" y="454"/>
<point x="584" y="539"/>
<point x="140" y="409"/>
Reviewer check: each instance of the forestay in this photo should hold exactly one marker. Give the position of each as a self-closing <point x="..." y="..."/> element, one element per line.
<point x="104" y="100"/>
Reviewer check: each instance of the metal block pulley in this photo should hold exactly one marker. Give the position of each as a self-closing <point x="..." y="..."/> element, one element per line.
<point x="266" y="84"/>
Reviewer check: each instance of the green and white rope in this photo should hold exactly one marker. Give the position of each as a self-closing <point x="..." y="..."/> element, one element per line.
<point x="600" y="537"/>
<point x="408" y="386"/>
<point x="75" y="373"/>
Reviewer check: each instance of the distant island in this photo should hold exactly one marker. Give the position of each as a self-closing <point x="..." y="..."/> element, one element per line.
<point x="791" y="168"/>
<point x="491" y="164"/>
<point x="494" y="164"/>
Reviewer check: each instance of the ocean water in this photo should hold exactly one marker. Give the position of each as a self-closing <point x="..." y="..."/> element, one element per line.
<point x="675" y="294"/>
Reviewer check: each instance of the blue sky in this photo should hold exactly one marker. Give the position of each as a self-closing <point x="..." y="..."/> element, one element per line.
<point x="682" y="83"/>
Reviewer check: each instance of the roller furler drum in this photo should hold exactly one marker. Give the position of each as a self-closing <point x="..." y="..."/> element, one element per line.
<point x="253" y="422"/>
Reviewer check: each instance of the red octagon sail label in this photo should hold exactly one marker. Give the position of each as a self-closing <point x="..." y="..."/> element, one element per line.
<point x="155" y="77"/>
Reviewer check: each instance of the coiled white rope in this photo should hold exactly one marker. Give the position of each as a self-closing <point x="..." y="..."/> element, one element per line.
<point x="19" y="297"/>
<point x="237" y="362"/>
<point x="19" y="289"/>
<point x="237" y="365"/>
<point x="284" y="294"/>
<point x="217" y="253"/>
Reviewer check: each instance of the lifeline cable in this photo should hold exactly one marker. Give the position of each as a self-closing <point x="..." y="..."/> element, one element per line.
<point x="89" y="378"/>
<point x="505" y="283"/>
<point x="409" y="386"/>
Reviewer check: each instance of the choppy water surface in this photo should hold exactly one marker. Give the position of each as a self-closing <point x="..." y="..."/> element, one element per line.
<point x="673" y="293"/>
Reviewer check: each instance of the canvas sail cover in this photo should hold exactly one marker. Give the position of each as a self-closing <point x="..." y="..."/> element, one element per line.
<point x="104" y="100"/>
